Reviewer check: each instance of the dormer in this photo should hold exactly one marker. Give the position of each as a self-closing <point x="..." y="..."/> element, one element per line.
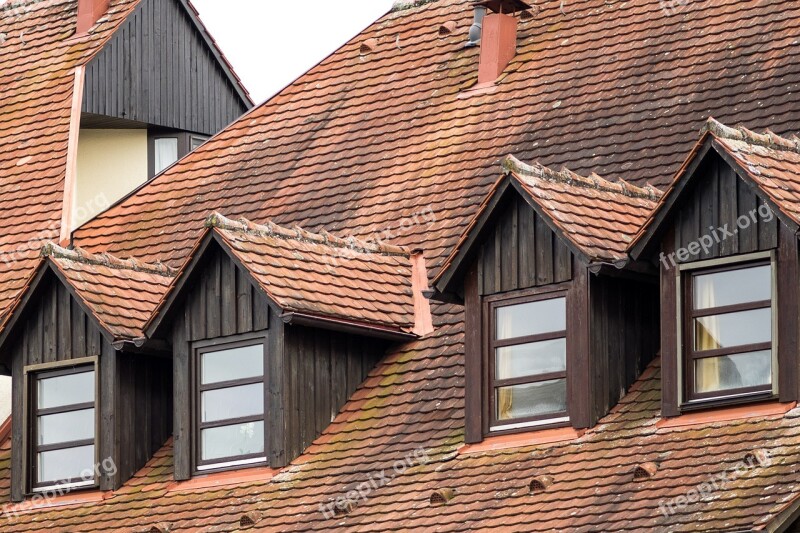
<point x="558" y="322"/>
<point x="90" y="399"/>
<point x="272" y="329"/>
<point x="725" y="240"/>
<point x="155" y="91"/>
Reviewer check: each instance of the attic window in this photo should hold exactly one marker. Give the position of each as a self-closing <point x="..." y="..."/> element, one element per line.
<point x="528" y="351"/>
<point x="728" y="327"/>
<point x="62" y="426"/>
<point x="231" y="405"/>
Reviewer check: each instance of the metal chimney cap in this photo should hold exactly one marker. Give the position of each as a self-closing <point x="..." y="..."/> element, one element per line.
<point x="504" y="6"/>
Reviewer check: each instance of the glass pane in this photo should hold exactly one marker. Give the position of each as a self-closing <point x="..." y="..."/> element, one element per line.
<point x="231" y="441"/>
<point x="60" y="466"/>
<point x="534" y="399"/>
<point x="531" y="359"/>
<point x="197" y="142"/>
<point x="66" y="390"/>
<point x="733" y="287"/>
<point x="229" y="365"/>
<point x="733" y="371"/>
<point x="532" y="318"/>
<point x="235" y="402"/>
<point x="66" y="427"/>
<point x="733" y="329"/>
<point x="166" y="153"/>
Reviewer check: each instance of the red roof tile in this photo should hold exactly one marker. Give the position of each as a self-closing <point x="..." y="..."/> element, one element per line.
<point x="361" y="145"/>
<point x="323" y="277"/>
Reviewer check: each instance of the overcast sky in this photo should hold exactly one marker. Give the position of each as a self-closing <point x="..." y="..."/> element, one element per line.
<point x="272" y="42"/>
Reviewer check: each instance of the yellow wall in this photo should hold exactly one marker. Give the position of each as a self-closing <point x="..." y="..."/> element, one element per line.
<point x="111" y="163"/>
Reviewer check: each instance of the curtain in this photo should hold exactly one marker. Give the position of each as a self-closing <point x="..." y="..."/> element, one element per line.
<point x="707" y="375"/>
<point x="166" y="153"/>
<point x="505" y="397"/>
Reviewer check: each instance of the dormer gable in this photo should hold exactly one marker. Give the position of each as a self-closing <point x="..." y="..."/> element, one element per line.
<point x="88" y="395"/>
<point x="725" y="239"/>
<point x="320" y="311"/>
<point x="546" y="283"/>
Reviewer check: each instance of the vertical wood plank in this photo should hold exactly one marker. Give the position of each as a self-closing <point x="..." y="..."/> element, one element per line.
<point x="473" y="367"/>
<point x="788" y="315"/>
<point x="181" y="382"/>
<point x="670" y="349"/>
<point x="580" y="385"/>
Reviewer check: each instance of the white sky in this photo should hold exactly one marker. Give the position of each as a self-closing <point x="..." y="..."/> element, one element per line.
<point x="272" y="42"/>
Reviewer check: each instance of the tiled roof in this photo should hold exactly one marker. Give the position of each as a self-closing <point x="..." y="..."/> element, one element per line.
<point x="413" y="401"/>
<point x="120" y="294"/>
<point x="364" y="143"/>
<point x="322" y="276"/>
<point x="38" y="56"/>
<point x="596" y="217"/>
<point x="771" y="161"/>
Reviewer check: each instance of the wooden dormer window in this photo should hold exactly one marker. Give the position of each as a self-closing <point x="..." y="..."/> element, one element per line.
<point x="728" y="331"/>
<point x="528" y="354"/>
<point x="231" y="404"/>
<point x="62" y="426"/>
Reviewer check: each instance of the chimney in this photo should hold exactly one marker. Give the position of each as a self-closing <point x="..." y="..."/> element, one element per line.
<point x="89" y="12"/>
<point x="498" y="36"/>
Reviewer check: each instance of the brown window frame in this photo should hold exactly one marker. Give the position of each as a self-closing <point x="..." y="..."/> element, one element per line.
<point x="491" y="304"/>
<point x="689" y="354"/>
<point x="199" y="348"/>
<point x="32" y="375"/>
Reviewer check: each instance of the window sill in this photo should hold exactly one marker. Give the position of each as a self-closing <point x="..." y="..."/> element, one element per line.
<point x="726" y="414"/>
<point x="223" y="479"/>
<point x="521" y="440"/>
<point x="40" y="501"/>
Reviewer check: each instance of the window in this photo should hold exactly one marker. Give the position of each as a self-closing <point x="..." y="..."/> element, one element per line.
<point x="230" y="405"/>
<point x="196" y="141"/>
<point x="528" y="362"/>
<point x="62" y="426"/>
<point x="728" y="331"/>
<point x="165" y="152"/>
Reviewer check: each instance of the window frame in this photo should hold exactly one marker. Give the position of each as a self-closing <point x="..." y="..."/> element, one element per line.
<point x="491" y="304"/>
<point x="200" y="467"/>
<point x="686" y="333"/>
<point x="31" y="376"/>
<point x="185" y="140"/>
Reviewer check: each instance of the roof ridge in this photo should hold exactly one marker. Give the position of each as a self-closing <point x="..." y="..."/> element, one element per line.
<point x="768" y="139"/>
<point x="513" y="165"/>
<point x="80" y="255"/>
<point x="270" y="229"/>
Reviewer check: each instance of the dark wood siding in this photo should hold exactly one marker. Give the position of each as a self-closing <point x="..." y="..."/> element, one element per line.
<point x="624" y="335"/>
<point x="321" y="371"/>
<point x="158" y="70"/>
<point x="521" y="252"/>
<point x="311" y="374"/>
<point x="135" y="390"/>
<point x="220" y="302"/>
<point x="717" y="200"/>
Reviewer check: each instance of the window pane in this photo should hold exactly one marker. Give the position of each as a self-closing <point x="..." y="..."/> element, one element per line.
<point x="76" y="464"/>
<point x="66" y="390"/>
<point x="733" y="371"/>
<point x="197" y="142"/>
<point x="231" y="441"/>
<point x="229" y="365"/>
<point x="531" y="359"/>
<point x="166" y="153"/>
<point x="235" y="402"/>
<point x="733" y="329"/>
<point x="531" y="318"/>
<point x="66" y="427"/>
<point x="535" y="399"/>
<point x="733" y="287"/>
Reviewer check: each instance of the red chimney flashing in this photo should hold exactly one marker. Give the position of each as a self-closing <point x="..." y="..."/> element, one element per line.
<point x="498" y="46"/>
<point x="89" y="12"/>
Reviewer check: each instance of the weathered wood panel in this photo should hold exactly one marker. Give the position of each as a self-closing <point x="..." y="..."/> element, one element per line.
<point x="157" y="69"/>
<point x="135" y="390"/>
<point x="720" y="217"/>
<point x="322" y="368"/>
<point x="522" y="252"/>
<point x="624" y="336"/>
